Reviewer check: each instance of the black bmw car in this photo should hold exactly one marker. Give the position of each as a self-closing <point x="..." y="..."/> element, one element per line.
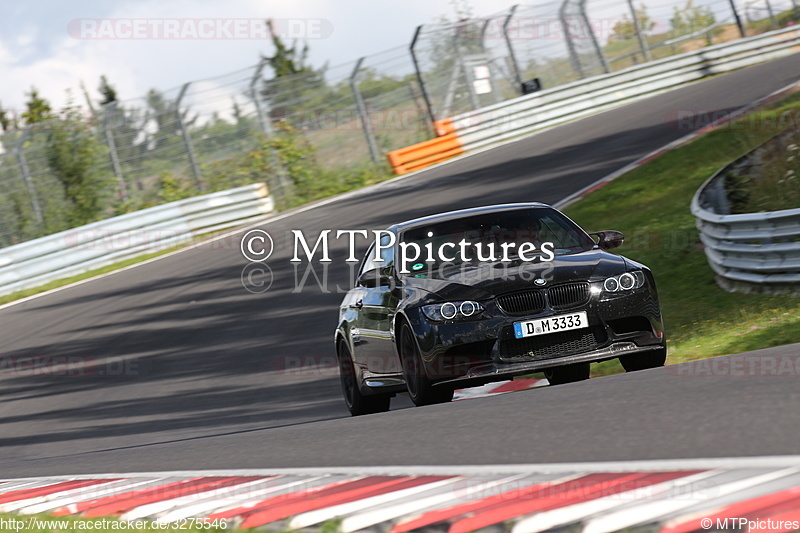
<point x="468" y="297"/>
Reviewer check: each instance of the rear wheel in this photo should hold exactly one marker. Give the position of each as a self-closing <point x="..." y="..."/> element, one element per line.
<point x="420" y="387"/>
<point x="643" y="361"/>
<point x="567" y="373"/>
<point x="357" y="403"/>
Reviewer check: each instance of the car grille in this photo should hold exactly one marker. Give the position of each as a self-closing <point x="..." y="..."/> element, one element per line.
<point x="531" y="301"/>
<point x="568" y="295"/>
<point x="521" y="303"/>
<point x="552" y="345"/>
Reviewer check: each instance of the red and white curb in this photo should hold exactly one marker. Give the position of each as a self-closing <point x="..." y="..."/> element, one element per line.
<point x="678" y="496"/>
<point x="500" y="387"/>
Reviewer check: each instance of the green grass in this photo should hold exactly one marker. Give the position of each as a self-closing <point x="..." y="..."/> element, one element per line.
<point x="86" y="275"/>
<point x="71" y="524"/>
<point x="651" y="206"/>
<point x="44" y="523"/>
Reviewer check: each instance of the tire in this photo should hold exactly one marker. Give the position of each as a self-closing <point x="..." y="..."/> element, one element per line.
<point x="567" y="374"/>
<point x="643" y="361"/>
<point x="420" y="387"/>
<point x="357" y="403"/>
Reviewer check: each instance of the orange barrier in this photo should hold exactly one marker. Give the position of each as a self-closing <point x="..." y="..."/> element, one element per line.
<point x="444" y="126"/>
<point x="427" y="153"/>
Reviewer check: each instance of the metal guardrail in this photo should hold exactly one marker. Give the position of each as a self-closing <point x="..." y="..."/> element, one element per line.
<point x="750" y="252"/>
<point x="546" y="108"/>
<point x="531" y="113"/>
<point x="69" y="253"/>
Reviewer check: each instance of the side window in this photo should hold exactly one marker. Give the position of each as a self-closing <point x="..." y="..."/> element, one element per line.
<point x="371" y="261"/>
<point x="387" y="254"/>
<point x="557" y="233"/>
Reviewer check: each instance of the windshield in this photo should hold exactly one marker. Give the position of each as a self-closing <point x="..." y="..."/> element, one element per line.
<point x="527" y="234"/>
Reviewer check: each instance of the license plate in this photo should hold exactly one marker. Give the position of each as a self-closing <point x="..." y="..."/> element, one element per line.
<point x="551" y="324"/>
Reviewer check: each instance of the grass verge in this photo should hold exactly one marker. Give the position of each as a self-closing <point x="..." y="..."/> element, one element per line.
<point x="71" y="524"/>
<point x="18" y="295"/>
<point x="651" y="206"/>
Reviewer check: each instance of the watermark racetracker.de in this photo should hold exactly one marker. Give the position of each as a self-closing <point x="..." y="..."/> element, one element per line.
<point x="695" y="119"/>
<point x="198" y="28"/>
<point x="751" y="365"/>
<point x="68" y="366"/>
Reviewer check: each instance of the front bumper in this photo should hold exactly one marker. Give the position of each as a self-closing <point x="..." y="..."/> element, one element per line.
<point x="489" y="372"/>
<point x="486" y="348"/>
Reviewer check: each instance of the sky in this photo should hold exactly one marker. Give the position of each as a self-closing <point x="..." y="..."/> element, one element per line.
<point x="53" y="45"/>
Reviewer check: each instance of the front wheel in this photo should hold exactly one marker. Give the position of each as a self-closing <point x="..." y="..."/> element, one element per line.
<point x="567" y="373"/>
<point x="357" y="403"/>
<point x="643" y="361"/>
<point x="420" y="387"/>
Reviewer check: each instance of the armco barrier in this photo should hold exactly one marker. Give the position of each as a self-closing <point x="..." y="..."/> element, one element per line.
<point x="427" y="153"/>
<point x="547" y="108"/>
<point x="34" y="263"/>
<point x="749" y="252"/>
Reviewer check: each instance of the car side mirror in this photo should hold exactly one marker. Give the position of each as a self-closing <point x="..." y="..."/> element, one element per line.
<point x="609" y="239"/>
<point x="377" y="277"/>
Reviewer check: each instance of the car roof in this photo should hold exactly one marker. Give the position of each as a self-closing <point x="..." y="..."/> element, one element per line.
<point x="461" y="213"/>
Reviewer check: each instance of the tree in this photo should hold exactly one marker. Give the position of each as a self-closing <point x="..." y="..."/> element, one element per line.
<point x="293" y="77"/>
<point x="165" y="114"/>
<point x="5" y="120"/>
<point x="72" y="152"/>
<point x="108" y="93"/>
<point x="691" y="18"/>
<point x="287" y="61"/>
<point x="236" y="111"/>
<point x="38" y="109"/>
<point x="625" y="29"/>
<point x="462" y="9"/>
<point x="372" y="83"/>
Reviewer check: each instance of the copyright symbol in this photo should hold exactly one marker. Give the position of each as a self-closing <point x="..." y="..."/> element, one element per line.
<point x="256" y="278"/>
<point x="256" y="245"/>
<point x="706" y="523"/>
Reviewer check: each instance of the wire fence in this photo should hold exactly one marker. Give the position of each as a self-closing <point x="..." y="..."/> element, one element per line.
<point x="199" y="137"/>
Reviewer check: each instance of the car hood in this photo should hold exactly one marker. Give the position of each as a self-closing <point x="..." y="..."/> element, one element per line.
<point x="476" y="281"/>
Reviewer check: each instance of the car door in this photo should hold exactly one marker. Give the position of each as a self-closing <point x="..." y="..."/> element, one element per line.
<point x="376" y="309"/>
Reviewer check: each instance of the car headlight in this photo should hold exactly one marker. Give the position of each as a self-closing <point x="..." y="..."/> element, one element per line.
<point x="624" y="282"/>
<point x="452" y="310"/>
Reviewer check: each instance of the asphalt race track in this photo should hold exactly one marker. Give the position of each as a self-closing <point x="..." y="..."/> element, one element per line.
<point x="190" y="370"/>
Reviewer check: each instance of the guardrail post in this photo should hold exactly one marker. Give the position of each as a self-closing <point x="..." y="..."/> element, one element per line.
<point x="362" y="113"/>
<point x="638" y="29"/>
<point x="597" y="48"/>
<point x="511" y="55"/>
<point x="110" y="108"/>
<point x="26" y="176"/>
<point x="573" y="55"/>
<point x="451" y="90"/>
<point x="772" y="20"/>
<point x="492" y="70"/>
<point x="473" y="97"/>
<point x="738" y="19"/>
<point x="420" y="111"/>
<point x="422" y="89"/>
<point x="284" y="182"/>
<point x="263" y="120"/>
<point x="187" y="139"/>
